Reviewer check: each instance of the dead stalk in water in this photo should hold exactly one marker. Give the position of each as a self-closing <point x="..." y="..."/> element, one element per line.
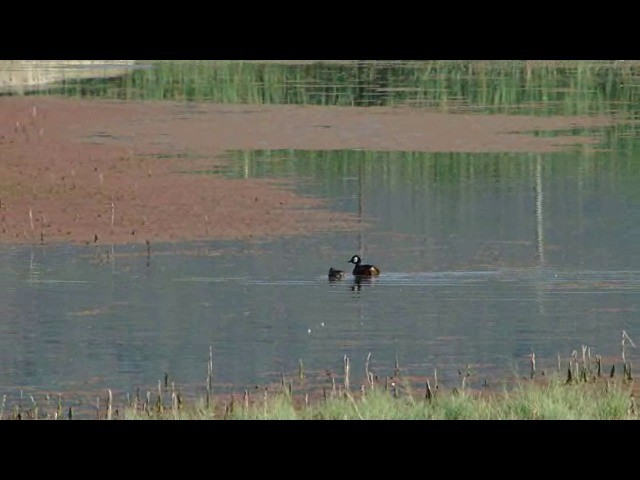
<point x="533" y="363"/>
<point x="109" y="404"/>
<point x="626" y="337"/>
<point x="209" y="375"/>
<point x="159" y="405"/>
<point x="346" y="373"/>
<point x="366" y="368"/>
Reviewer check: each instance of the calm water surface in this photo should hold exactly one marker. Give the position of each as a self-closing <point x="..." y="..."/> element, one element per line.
<point x="482" y="277"/>
<point x="485" y="258"/>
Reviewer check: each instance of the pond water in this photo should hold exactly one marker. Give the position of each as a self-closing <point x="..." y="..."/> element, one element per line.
<point x="485" y="258"/>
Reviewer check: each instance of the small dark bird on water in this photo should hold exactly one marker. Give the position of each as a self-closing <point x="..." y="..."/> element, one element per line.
<point x="335" y="274"/>
<point x="363" y="269"/>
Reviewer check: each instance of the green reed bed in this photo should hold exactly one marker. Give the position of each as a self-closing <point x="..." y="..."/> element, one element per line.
<point x="610" y="88"/>
<point x="529" y="87"/>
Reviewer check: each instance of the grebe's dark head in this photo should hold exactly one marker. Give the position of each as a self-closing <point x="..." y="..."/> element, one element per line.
<point x="355" y="260"/>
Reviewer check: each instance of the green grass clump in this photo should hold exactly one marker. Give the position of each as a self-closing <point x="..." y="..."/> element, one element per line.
<point x="551" y="399"/>
<point x="584" y="393"/>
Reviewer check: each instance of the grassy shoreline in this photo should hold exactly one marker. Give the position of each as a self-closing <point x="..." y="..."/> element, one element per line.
<point x="585" y="390"/>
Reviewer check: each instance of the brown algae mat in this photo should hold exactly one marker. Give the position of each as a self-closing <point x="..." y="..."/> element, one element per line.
<point x="85" y="171"/>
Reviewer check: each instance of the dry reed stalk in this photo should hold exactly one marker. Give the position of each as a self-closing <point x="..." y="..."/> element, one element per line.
<point x="346" y="373"/>
<point x="626" y="337"/>
<point x="300" y="371"/>
<point x="232" y="404"/>
<point x="265" y="401"/>
<point x="31" y="218"/>
<point x="159" y="404"/>
<point x="209" y="376"/>
<point x="43" y="220"/>
<point x="368" y="375"/>
<point x="533" y="363"/>
<point x="174" y="405"/>
<point x="429" y="394"/>
<point x="109" y="404"/>
<point x="35" y="407"/>
<point x="583" y="375"/>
